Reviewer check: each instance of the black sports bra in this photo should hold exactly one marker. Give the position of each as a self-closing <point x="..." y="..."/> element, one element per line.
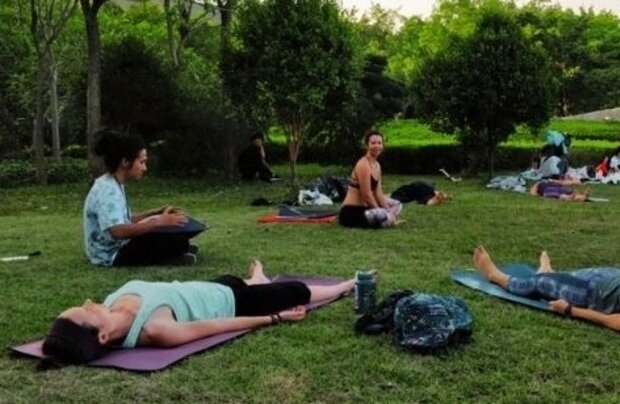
<point x="355" y="184"/>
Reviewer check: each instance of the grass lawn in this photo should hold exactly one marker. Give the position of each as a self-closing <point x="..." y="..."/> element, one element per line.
<point x="517" y="354"/>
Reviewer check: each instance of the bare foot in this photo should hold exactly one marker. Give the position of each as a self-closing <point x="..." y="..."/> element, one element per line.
<point x="545" y="263"/>
<point x="580" y="197"/>
<point x="257" y="276"/>
<point x="483" y="262"/>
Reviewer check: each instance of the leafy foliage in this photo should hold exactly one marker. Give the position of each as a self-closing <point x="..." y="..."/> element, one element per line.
<point x="138" y="91"/>
<point x="482" y="86"/>
<point x="296" y="59"/>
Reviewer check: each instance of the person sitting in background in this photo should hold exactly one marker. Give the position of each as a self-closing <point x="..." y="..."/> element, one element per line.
<point x="591" y="294"/>
<point x="365" y="205"/>
<point x="551" y="164"/>
<point x="252" y="161"/>
<point x="113" y="235"/>
<point x="167" y="314"/>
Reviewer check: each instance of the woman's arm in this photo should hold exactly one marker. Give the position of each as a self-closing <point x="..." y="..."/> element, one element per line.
<point x="363" y="174"/>
<point x="381" y="198"/>
<point x="167" y="332"/>
<point x="608" y="320"/>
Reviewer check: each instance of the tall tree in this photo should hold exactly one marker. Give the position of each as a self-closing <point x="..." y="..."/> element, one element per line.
<point x="47" y="21"/>
<point x="180" y="20"/>
<point x="90" y="9"/>
<point x="292" y="54"/>
<point x="482" y="86"/>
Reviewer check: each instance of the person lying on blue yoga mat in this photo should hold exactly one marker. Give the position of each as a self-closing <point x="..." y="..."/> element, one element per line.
<point x="591" y="294"/>
<point x="113" y="235"/>
<point x="167" y="314"/>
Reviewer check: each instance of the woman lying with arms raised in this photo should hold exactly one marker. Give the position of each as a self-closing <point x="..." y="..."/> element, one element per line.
<point x="365" y="204"/>
<point x="166" y="314"/>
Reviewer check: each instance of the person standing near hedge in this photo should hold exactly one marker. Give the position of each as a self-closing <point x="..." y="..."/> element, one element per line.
<point x="365" y="204"/>
<point x="114" y="236"/>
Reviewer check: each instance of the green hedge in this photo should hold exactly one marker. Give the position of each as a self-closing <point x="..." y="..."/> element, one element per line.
<point x="428" y="159"/>
<point x="22" y="172"/>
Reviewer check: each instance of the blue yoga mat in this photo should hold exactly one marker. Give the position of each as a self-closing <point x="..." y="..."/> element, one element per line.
<point x="473" y="279"/>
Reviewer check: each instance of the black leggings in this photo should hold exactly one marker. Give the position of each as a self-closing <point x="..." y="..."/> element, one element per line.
<point x="262" y="300"/>
<point x="354" y="216"/>
<point x="151" y="249"/>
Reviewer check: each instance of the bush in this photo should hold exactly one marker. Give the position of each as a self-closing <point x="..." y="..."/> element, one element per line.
<point x="67" y="170"/>
<point x="429" y="159"/>
<point x="22" y="172"/>
<point x="16" y="172"/>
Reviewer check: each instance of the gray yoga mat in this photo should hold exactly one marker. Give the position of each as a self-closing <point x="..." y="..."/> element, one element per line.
<point x="473" y="279"/>
<point x="152" y="359"/>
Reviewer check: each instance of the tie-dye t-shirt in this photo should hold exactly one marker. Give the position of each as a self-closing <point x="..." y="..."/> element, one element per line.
<point x="105" y="207"/>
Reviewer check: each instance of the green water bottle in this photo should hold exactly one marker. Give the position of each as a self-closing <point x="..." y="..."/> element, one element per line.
<point x="365" y="291"/>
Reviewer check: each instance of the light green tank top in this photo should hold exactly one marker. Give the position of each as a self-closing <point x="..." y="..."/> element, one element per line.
<point x="189" y="301"/>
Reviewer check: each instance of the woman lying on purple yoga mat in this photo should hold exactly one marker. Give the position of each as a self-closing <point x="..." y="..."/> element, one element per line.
<point x="591" y="294"/>
<point x="558" y="189"/>
<point x="167" y="314"/>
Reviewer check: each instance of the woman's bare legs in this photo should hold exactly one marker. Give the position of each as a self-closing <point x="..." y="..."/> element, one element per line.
<point x="545" y="263"/>
<point x="483" y="262"/>
<point x="318" y="293"/>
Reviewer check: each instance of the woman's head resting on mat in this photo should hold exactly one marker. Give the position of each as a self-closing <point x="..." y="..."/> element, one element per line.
<point x="79" y="334"/>
<point x="119" y="151"/>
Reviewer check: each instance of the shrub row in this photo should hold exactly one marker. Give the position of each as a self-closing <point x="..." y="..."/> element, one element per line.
<point x="428" y="159"/>
<point x="396" y="160"/>
<point x="22" y="172"/>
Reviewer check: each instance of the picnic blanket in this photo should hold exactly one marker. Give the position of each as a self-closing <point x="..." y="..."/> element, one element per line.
<point x="144" y="359"/>
<point x="297" y="214"/>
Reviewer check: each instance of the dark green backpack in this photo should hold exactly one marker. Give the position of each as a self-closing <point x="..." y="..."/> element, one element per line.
<point x="427" y="323"/>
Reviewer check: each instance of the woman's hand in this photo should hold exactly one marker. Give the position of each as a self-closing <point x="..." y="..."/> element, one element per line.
<point x="295" y="314"/>
<point x="559" y="306"/>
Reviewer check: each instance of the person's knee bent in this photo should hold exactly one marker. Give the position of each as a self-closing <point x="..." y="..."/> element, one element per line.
<point x="378" y="217"/>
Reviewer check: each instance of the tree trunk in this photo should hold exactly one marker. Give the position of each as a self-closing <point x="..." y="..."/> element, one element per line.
<point x="38" y="142"/>
<point x="53" y="94"/>
<point x="225" y="9"/>
<point x="93" y="91"/>
<point x="492" y="163"/>
<point x="294" y="137"/>
<point x="172" y="45"/>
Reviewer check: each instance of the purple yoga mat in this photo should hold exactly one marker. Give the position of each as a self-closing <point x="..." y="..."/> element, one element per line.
<point x="152" y="359"/>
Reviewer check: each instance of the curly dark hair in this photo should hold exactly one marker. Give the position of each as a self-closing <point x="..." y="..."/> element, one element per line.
<point x="114" y="146"/>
